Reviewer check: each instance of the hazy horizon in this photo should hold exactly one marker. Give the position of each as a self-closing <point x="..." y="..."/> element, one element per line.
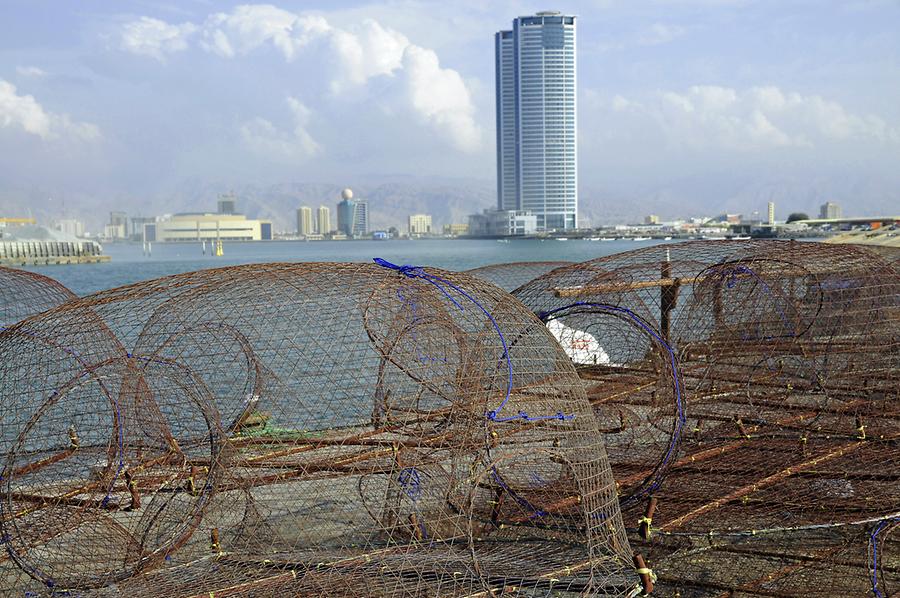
<point x="684" y="105"/>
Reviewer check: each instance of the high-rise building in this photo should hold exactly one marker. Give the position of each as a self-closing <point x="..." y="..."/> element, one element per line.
<point x="419" y="224"/>
<point x="771" y="214"/>
<point x="117" y="227"/>
<point x="651" y="219"/>
<point x="353" y="215"/>
<point x="361" y="218"/>
<point x="536" y="119"/>
<point x="227" y="203"/>
<point x="304" y="221"/>
<point x="323" y="220"/>
<point x="830" y="210"/>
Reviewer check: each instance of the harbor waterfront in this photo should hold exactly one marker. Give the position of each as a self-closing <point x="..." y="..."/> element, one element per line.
<point x="129" y="263"/>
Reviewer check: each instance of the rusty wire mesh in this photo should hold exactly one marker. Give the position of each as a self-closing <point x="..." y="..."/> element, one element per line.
<point x="302" y="429"/>
<point x="24" y="293"/>
<point x="756" y="388"/>
<point x="511" y="276"/>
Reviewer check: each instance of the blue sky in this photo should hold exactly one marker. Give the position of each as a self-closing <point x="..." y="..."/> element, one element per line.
<point x="677" y="97"/>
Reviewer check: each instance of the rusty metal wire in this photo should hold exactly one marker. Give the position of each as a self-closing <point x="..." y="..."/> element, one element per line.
<point x="756" y="388"/>
<point x="24" y="293"/>
<point x="302" y="429"/>
<point x="511" y="276"/>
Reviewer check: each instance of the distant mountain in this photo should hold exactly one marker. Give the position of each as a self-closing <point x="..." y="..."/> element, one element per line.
<point x="393" y="198"/>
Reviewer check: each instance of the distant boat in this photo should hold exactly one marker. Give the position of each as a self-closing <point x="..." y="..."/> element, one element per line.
<point x="607" y="238"/>
<point x="592" y="239"/>
<point x="740" y="238"/>
<point x="667" y="238"/>
<point x="562" y="238"/>
<point x="503" y="240"/>
<point x="641" y="239"/>
<point x="710" y="238"/>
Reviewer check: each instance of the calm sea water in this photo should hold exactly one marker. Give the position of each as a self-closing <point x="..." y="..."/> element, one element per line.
<point x="130" y="265"/>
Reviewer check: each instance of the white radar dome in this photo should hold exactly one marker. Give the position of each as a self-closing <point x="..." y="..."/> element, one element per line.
<point x="347" y="193"/>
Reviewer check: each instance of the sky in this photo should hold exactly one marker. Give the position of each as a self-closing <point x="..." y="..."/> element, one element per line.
<point x="703" y="97"/>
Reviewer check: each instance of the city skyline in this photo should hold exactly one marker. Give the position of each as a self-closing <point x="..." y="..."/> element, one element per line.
<point x="704" y="106"/>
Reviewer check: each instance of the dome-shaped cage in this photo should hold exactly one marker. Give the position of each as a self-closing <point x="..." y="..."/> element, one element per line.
<point x="24" y="293"/>
<point x="302" y="429"/>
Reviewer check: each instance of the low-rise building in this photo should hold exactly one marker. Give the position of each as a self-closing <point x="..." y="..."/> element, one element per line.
<point x="830" y="210"/>
<point x="502" y="223"/>
<point x="70" y="227"/>
<point x="419" y="225"/>
<point x="207" y="227"/>
<point x="456" y="229"/>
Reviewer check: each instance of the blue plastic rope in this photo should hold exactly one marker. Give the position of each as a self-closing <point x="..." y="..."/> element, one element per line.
<point x="443" y="285"/>
<point x="672" y="449"/>
<point x="535" y="512"/>
<point x="873" y="542"/>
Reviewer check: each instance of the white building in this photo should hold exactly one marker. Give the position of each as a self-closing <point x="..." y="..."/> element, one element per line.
<point x="830" y="210"/>
<point x="71" y="228"/>
<point x="305" y="221"/>
<point x="536" y="119"/>
<point x="207" y="227"/>
<point x="419" y="224"/>
<point x="502" y="223"/>
<point x="323" y="220"/>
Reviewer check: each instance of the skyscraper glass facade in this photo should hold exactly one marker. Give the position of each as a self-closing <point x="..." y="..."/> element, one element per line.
<point x="536" y="119"/>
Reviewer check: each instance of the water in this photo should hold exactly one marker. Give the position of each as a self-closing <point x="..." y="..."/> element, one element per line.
<point x="129" y="265"/>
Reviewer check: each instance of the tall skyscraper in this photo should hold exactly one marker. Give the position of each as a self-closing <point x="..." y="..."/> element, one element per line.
<point x="304" y="221"/>
<point x="536" y="119"/>
<point x="771" y="210"/>
<point x="323" y="220"/>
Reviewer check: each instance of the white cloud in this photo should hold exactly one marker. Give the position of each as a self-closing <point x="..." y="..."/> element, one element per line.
<point x="367" y="51"/>
<point x="409" y="76"/>
<point x="151" y="37"/>
<point x="711" y="116"/>
<point x="251" y="26"/>
<point x="439" y="96"/>
<point x="24" y="112"/>
<point x="264" y="138"/>
<point x="31" y="71"/>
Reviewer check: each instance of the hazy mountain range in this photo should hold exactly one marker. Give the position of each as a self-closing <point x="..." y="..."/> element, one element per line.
<point x="392" y="199"/>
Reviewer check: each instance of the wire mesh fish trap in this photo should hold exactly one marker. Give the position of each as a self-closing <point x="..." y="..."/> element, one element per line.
<point x="24" y="293"/>
<point x="787" y="355"/>
<point x="307" y="429"/>
<point x="513" y="275"/>
<point x="785" y="446"/>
